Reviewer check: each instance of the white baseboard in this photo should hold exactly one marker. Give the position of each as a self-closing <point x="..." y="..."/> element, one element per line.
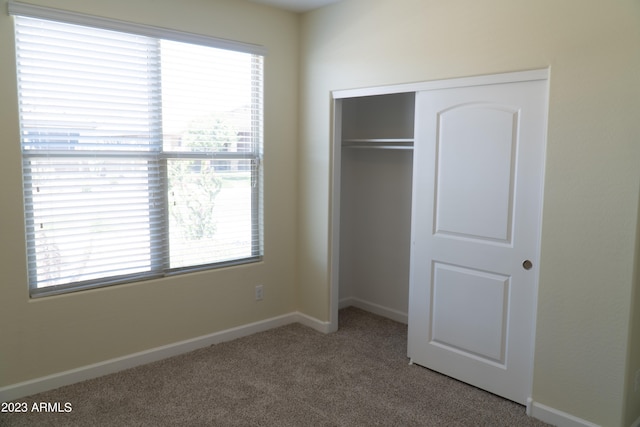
<point x="312" y="322"/>
<point x="380" y="310"/>
<point x="50" y="382"/>
<point x="555" y="417"/>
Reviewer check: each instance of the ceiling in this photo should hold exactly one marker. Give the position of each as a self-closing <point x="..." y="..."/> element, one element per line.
<point x="297" y="5"/>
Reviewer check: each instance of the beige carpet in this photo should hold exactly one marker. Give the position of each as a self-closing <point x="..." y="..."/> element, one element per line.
<point x="290" y="376"/>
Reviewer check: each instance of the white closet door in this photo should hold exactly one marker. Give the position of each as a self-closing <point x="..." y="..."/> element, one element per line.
<point x="478" y="164"/>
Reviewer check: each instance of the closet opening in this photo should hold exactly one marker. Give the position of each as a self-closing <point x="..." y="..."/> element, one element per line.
<point x="374" y="137"/>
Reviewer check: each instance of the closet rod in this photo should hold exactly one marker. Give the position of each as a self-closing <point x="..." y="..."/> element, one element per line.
<point x="380" y="140"/>
<point x="379" y="147"/>
<point x="387" y="144"/>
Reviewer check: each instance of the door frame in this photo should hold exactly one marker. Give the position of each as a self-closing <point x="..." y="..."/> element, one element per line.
<point x="336" y="161"/>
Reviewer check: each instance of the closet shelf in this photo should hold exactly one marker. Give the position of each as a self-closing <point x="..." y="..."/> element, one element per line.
<point x="380" y="143"/>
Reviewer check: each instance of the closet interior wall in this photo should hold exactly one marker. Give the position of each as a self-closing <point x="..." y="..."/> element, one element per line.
<point x="375" y="202"/>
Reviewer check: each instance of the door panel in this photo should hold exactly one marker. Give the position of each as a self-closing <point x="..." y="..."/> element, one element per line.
<point x="478" y="162"/>
<point x="462" y="290"/>
<point x="478" y="139"/>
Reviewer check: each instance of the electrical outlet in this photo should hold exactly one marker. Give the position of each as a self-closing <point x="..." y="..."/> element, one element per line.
<point x="259" y="292"/>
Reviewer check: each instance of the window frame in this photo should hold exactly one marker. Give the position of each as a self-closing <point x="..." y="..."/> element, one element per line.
<point x="161" y="158"/>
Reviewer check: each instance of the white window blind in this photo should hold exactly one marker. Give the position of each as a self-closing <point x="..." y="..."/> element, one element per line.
<point x="141" y="155"/>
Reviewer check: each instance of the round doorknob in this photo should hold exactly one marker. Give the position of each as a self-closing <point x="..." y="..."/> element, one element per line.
<point x="527" y="264"/>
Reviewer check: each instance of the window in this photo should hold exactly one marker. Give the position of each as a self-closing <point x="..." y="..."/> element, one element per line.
<point x="141" y="150"/>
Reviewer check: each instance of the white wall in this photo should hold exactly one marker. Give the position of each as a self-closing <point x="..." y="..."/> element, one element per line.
<point x="592" y="179"/>
<point x="54" y="334"/>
